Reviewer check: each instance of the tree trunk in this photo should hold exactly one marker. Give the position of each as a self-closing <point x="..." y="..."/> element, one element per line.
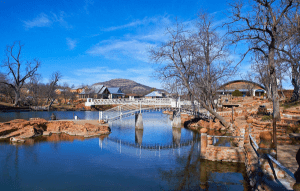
<point x="219" y="117"/>
<point x="275" y="97"/>
<point x="269" y="93"/>
<point x="17" y="96"/>
<point x="295" y="95"/>
<point x="51" y="102"/>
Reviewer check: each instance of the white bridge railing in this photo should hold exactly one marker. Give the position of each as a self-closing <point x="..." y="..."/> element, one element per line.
<point x="143" y="101"/>
<point x="126" y="110"/>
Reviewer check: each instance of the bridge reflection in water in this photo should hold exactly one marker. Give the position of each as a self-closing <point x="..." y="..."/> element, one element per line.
<point x="124" y="147"/>
<point x="209" y="175"/>
<point x="159" y="142"/>
<point x="157" y="133"/>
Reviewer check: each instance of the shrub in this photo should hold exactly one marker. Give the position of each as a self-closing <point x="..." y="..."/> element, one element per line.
<point x="267" y="118"/>
<point x="237" y="93"/>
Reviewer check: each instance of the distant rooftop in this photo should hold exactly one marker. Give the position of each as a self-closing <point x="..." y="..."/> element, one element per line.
<point x="115" y="90"/>
<point x="155" y="94"/>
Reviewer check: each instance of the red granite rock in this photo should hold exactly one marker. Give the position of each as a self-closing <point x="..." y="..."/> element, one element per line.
<point x="20" y="129"/>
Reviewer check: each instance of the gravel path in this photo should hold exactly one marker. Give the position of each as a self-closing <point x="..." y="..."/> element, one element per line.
<point x="287" y="156"/>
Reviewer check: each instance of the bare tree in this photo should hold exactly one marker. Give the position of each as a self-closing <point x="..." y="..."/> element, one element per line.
<point x="199" y="61"/>
<point x="6" y="90"/>
<point x="65" y="92"/>
<point x="35" y="90"/>
<point x="174" y="87"/>
<point x="18" y="74"/>
<point x="51" y="95"/>
<point x="249" y="76"/>
<point x="288" y="50"/>
<point x="260" y="67"/>
<point x="258" y="23"/>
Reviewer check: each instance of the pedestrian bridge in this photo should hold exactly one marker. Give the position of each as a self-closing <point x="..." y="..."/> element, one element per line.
<point x="170" y="102"/>
<point x="127" y="110"/>
<point x="130" y="106"/>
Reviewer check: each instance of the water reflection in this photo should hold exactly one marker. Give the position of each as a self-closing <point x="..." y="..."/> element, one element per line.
<point x="176" y="132"/>
<point x="59" y="156"/>
<point x="157" y="130"/>
<point x="193" y="172"/>
<point x="157" y="158"/>
<point x="89" y="115"/>
<point x="139" y="136"/>
<point x="224" y="142"/>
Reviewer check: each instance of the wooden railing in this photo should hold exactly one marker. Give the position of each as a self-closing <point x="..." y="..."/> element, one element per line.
<point x="270" y="158"/>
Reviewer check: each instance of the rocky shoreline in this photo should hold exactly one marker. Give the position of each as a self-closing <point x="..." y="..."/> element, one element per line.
<point x="19" y="130"/>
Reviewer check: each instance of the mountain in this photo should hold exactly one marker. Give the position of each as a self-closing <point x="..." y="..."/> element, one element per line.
<point x="127" y="86"/>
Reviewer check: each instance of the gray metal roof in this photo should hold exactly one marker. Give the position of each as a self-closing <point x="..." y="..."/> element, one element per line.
<point x="154" y="94"/>
<point x="115" y="90"/>
<point x="98" y="89"/>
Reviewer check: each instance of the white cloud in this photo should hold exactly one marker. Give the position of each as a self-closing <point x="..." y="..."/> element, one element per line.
<point x="71" y="43"/>
<point x="101" y="74"/>
<point x="47" y="20"/>
<point x="134" y="46"/>
<point x="145" y="21"/>
<point x="132" y="24"/>
<point x="40" y="21"/>
<point x="116" y="49"/>
<point x="87" y="4"/>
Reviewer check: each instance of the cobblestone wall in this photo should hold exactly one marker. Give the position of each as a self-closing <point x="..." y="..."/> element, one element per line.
<point x="222" y="153"/>
<point x="259" y="170"/>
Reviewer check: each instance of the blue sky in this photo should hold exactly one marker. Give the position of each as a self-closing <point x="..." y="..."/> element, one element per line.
<point x="94" y="41"/>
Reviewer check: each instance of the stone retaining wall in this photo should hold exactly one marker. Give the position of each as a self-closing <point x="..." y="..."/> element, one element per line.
<point x="260" y="171"/>
<point x="221" y="153"/>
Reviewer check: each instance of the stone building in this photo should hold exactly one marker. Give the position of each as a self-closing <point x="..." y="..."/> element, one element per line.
<point x="246" y="87"/>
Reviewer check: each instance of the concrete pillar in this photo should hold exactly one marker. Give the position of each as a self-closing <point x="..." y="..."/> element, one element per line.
<point x="203" y="143"/>
<point x="100" y="116"/>
<point x="176" y="119"/>
<point x="139" y="121"/>
<point x="139" y="136"/>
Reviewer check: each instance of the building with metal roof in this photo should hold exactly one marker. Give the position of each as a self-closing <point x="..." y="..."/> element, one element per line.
<point x="115" y="92"/>
<point x="155" y="94"/>
<point x="244" y="86"/>
<point x="95" y="91"/>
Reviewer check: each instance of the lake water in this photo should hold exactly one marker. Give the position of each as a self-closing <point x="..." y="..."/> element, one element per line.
<point x="7" y="116"/>
<point x="158" y="158"/>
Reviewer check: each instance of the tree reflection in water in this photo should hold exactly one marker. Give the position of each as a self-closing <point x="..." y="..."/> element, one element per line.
<point x="9" y="159"/>
<point x="194" y="173"/>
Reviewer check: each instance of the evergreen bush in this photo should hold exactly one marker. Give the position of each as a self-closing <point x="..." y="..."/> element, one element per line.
<point x="237" y="93"/>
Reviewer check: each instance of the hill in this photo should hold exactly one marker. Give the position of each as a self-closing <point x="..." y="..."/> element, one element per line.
<point x="127" y="86"/>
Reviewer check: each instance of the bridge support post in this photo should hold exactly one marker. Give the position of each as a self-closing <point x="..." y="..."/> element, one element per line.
<point x="139" y="121"/>
<point x="176" y="119"/>
<point x="100" y="116"/>
<point x="203" y="144"/>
